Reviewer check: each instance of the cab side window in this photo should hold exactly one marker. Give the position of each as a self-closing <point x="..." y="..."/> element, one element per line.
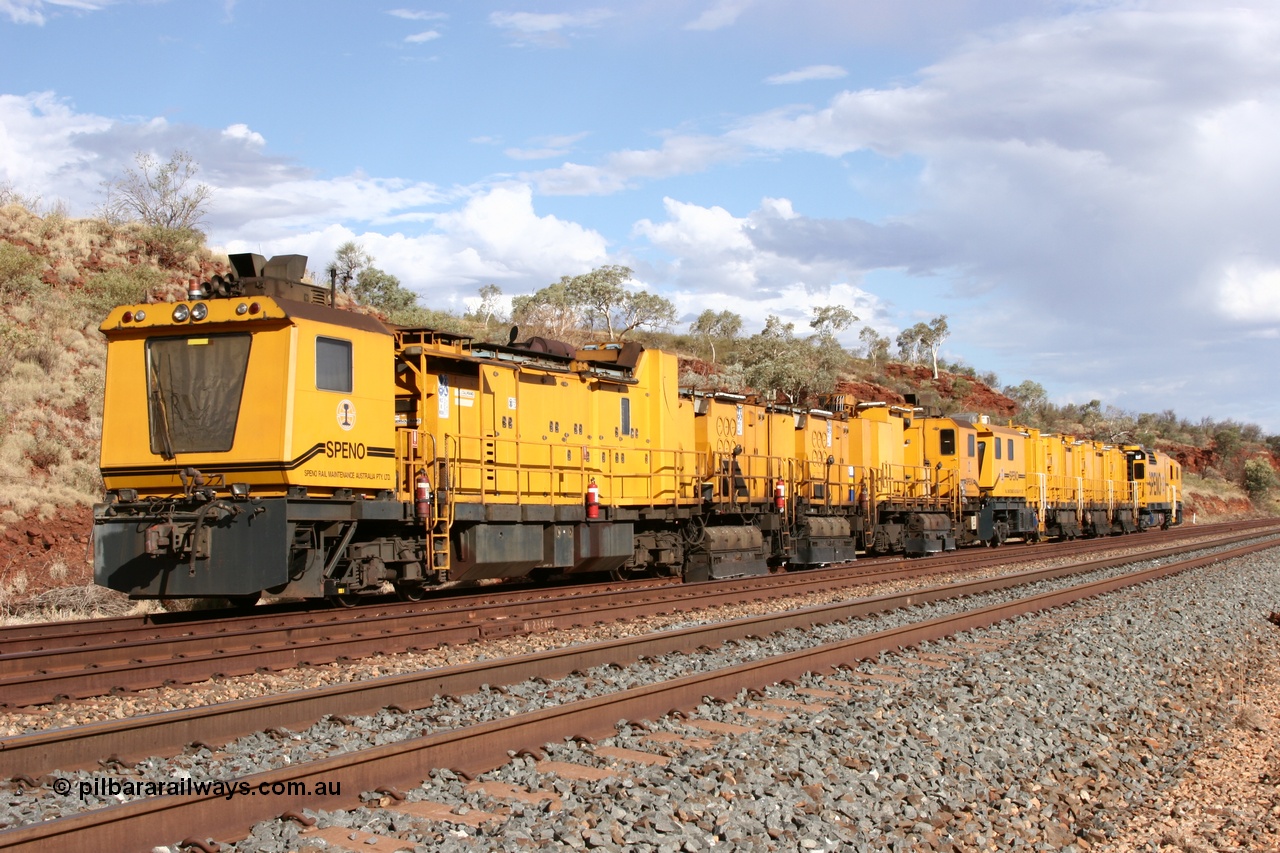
<point x="333" y="365"/>
<point x="947" y="442"/>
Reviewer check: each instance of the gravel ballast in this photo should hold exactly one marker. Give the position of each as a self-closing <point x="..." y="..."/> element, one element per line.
<point x="1072" y="723"/>
<point x="1047" y="734"/>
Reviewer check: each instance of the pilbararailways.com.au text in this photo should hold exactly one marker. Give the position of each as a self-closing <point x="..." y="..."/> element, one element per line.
<point x="130" y="788"/>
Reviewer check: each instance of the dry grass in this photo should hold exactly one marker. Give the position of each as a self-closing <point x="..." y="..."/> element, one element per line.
<point x="13" y="590"/>
<point x="58" y="278"/>
<point x="70" y="602"/>
<point x="1216" y="487"/>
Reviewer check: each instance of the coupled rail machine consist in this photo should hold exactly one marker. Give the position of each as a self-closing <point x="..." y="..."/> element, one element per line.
<point x="258" y="439"/>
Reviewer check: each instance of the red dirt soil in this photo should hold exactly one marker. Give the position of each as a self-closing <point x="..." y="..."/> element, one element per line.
<point x="32" y="549"/>
<point x="1206" y="508"/>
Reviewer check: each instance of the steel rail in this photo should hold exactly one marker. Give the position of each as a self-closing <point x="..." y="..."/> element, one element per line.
<point x="34" y="678"/>
<point x="122" y="630"/>
<point x="125" y="631"/>
<point x="132" y="739"/>
<point x="97" y="636"/>
<point x="482" y="747"/>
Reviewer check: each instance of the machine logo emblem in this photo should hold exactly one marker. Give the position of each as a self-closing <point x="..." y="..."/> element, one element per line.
<point x="346" y="414"/>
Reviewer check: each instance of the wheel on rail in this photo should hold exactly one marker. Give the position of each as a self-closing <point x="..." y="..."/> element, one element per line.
<point x="695" y="531"/>
<point x="346" y="599"/>
<point x="244" y="602"/>
<point x="411" y="592"/>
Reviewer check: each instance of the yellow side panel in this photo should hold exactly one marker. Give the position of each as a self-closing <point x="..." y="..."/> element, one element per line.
<point x="341" y="438"/>
<point x="668" y="433"/>
<point x="536" y="435"/>
<point x="1055" y="461"/>
<point x="1002" y="476"/>
<point x="556" y="423"/>
<point x="878" y="441"/>
<point x="946" y="470"/>
<point x="125" y="424"/>
<point x="454" y="414"/>
<point x="862" y="464"/>
<point x="721" y="428"/>
<point x="822" y="447"/>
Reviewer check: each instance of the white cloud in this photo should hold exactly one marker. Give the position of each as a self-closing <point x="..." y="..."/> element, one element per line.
<point x="33" y="11"/>
<point x="243" y="133"/>
<point x="502" y="222"/>
<point x="424" y="36"/>
<point x="284" y="203"/>
<point x="716" y="260"/>
<point x="39" y="154"/>
<point x="1116" y="156"/>
<point x="679" y="155"/>
<point x="47" y="149"/>
<point x="496" y="236"/>
<point x="548" y="146"/>
<point x="692" y="230"/>
<point x="723" y="13"/>
<point x="811" y="72"/>
<point x="547" y="29"/>
<point x="417" y="15"/>
<point x="1249" y="293"/>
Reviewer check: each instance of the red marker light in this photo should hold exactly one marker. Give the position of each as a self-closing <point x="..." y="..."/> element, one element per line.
<point x="253" y="308"/>
<point x="128" y="317"/>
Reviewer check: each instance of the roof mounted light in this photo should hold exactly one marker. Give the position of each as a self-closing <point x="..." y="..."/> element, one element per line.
<point x="242" y="309"/>
<point x="140" y="315"/>
<point x="181" y="313"/>
<point x="199" y="311"/>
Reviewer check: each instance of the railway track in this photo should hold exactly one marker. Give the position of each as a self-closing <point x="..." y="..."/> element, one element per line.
<point x="131" y="629"/>
<point x="477" y="748"/>
<point x="79" y="660"/>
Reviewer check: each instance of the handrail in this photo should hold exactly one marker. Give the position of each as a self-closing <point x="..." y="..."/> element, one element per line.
<point x="508" y="470"/>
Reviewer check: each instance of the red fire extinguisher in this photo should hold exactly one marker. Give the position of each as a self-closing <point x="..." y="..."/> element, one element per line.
<point x="779" y="495"/>
<point x="422" y="497"/>
<point x="593" y="499"/>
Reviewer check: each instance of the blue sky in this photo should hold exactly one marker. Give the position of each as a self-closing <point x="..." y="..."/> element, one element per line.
<point x="1088" y="190"/>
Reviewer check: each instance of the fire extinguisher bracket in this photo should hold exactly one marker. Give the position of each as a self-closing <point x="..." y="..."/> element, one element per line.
<point x="422" y="497"/>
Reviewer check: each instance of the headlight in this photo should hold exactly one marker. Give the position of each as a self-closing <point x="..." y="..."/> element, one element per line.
<point x="140" y="315"/>
<point x="199" y="311"/>
<point x="242" y="309"/>
<point x="181" y="313"/>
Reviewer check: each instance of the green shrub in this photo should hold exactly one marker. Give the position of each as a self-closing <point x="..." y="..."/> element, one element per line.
<point x="46" y="453"/>
<point x="1259" y="477"/>
<point x="124" y="286"/>
<point x="172" y="248"/>
<point x="19" y="272"/>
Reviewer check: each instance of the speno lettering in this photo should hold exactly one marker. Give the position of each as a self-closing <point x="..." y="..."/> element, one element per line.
<point x="344" y="449"/>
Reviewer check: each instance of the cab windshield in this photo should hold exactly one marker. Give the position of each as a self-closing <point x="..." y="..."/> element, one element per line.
<point x="193" y="392"/>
